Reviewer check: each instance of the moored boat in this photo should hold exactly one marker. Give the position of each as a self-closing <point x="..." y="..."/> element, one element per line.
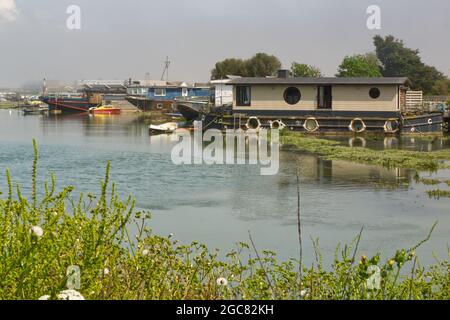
<point x="192" y="109"/>
<point x="105" y="109"/>
<point x="325" y="105"/>
<point x="35" y="110"/>
<point x="168" y="127"/>
<point x="71" y="103"/>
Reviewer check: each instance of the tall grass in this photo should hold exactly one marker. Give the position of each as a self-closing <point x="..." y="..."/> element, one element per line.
<point x="93" y="233"/>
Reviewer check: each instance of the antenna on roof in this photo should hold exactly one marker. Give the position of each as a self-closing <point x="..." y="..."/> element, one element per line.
<point x="166" y="69"/>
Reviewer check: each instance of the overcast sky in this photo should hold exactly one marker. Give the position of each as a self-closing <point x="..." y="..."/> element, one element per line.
<point x="120" y="39"/>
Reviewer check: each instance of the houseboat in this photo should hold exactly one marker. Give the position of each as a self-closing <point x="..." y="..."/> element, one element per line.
<point x="325" y="105"/>
<point x="159" y="95"/>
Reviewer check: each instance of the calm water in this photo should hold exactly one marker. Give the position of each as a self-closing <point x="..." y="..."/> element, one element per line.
<point x="218" y="205"/>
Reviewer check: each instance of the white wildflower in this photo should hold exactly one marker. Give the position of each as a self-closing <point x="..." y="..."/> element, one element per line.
<point x="373" y="282"/>
<point x="222" y="282"/>
<point x="106" y="271"/>
<point x="303" y="293"/>
<point x="145" y="252"/>
<point x="65" y="295"/>
<point x="36" y="231"/>
<point x="70" y="295"/>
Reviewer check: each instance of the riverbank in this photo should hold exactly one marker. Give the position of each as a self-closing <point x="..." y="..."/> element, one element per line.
<point x="8" y="105"/>
<point x="41" y="239"/>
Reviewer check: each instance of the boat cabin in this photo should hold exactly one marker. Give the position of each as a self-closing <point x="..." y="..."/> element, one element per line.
<point x="326" y="94"/>
<point x="335" y="105"/>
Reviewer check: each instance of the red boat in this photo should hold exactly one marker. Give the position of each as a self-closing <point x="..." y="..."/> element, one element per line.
<point x="107" y="109"/>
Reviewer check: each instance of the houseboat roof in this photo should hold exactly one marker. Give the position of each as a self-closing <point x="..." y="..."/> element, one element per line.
<point x="323" y="81"/>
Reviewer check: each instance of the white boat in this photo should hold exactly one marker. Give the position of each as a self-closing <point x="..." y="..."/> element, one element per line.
<point x="168" y="127"/>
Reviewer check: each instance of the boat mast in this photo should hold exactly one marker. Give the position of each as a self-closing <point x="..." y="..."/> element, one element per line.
<point x="166" y="69"/>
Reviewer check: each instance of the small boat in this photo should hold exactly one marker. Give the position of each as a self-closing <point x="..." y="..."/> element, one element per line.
<point x="106" y="109"/>
<point x="168" y="127"/>
<point x="34" y="110"/>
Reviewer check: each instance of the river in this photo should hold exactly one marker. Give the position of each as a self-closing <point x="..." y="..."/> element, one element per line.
<point x="220" y="204"/>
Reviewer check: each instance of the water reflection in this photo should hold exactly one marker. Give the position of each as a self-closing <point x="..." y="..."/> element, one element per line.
<point x="218" y="204"/>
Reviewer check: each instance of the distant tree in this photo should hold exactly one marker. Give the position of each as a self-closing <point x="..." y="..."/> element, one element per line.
<point x="441" y="88"/>
<point x="228" y="67"/>
<point x="360" y="65"/>
<point x="262" y="65"/>
<point x="304" y="70"/>
<point x="400" y="61"/>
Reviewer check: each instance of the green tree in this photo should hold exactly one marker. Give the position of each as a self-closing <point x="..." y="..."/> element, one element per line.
<point x="304" y="70"/>
<point x="400" y="61"/>
<point x="228" y="67"/>
<point x="360" y="65"/>
<point x="441" y="88"/>
<point x="262" y="65"/>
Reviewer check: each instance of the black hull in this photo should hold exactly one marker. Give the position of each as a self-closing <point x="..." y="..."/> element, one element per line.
<point x="331" y="122"/>
<point x="188" y="111"/>
<point x="69" y="105"/>
<point x="142" y="104"/>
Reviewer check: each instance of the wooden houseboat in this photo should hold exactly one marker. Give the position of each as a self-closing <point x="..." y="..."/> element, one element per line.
<point x="325" y="105"/>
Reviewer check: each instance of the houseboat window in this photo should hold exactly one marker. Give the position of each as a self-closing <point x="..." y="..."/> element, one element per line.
<point x="292" y="95"/>
<point x="374" y="93"/>
<point x="184" y="92"/>
<point x="160" y="92"/>
<point x="243" y="95"/>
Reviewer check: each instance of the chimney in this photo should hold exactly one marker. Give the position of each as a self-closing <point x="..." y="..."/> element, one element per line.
<point x="283" y="73"/>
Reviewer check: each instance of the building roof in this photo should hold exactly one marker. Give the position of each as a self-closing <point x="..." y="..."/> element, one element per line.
<point x="323" y="81"/>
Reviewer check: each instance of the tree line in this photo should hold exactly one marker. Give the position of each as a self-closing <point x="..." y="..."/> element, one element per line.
<point x="391" y="58"/>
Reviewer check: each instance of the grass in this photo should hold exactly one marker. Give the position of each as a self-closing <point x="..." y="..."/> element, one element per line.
<point x="438" y="193"/>
<point x="333" y="150"/>
<point x="41" y="239"/>
<point x="8" y="105"/>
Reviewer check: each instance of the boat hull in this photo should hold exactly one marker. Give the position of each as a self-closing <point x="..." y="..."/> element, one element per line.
<point x="69" y="105"/>
<point x="330" y="122"/>
<point x="189" y="111"/>
<point x="145" y="104"/>
<point x="111" y="111"/>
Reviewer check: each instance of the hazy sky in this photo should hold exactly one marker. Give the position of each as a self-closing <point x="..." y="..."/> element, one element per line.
<point x="120" y="39"/>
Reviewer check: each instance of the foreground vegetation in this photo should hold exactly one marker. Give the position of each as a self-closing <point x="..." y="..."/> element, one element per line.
<point x="42" y="240"/>
<point x="395" y="158"/>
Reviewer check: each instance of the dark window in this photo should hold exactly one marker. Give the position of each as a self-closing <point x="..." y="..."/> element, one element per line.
<point x="374" y="93"/>
<point x="243" y="95"/>
<point x="324" y="97"/>
<point x="292" y="95"/>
